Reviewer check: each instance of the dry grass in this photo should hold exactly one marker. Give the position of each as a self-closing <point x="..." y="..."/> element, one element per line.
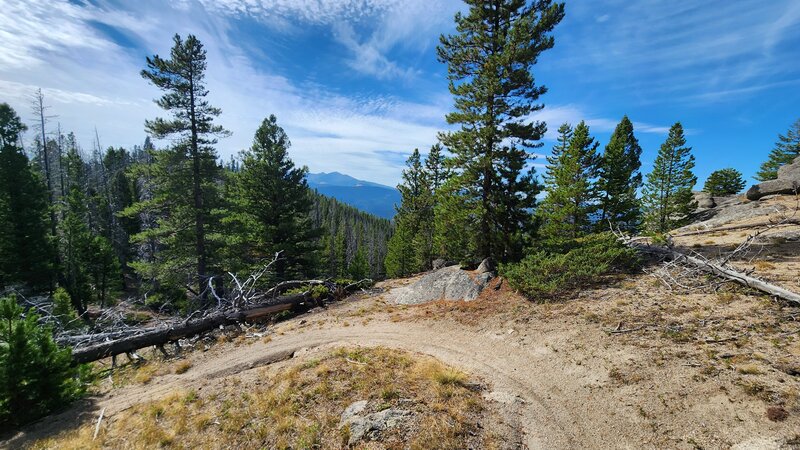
<point x="300" y="407"/>
<point x="183" y="367"/>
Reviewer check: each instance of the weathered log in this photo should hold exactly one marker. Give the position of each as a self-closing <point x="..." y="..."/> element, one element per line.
<point x="724" y="272"/>
<point x="162" y="335"/>
<point x="738" y="227"/>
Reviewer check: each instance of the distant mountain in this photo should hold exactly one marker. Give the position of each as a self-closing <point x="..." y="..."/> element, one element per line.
<point x="371" y="197"/>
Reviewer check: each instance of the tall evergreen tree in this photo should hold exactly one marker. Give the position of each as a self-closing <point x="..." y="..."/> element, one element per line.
<point x="186" y="176"/>
<point x="435" y="173"/>
<point x="75" y="235"/>
<point x="489" y="63"/>
<point x="26" y="250"/>
<point x="270" y="205"/>
<point x="620" y="179"/>
<point x="667" y="196"/>
<point x="786" y="149"/>
<point x="436" y="169"/>
<point x="401" y="257"/>
<point x="571" y="192"/>
<point x="724" y="182"/>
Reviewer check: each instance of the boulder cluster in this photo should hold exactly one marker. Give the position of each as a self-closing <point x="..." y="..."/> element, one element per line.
<point x="788" y="182"/>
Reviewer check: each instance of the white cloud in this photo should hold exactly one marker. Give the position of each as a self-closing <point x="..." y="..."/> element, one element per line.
<point x="94" y="82"/>
<point x="679" y="50"/>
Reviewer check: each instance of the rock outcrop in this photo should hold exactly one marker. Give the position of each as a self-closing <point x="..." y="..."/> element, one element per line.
<point x="704" y="200"/>
<point x="447" y="283"/>
<point x="369" y="426"/>
<point x="788" y="182"/>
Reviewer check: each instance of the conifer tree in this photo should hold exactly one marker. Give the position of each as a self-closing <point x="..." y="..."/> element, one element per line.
<point x="401" y="257"/>
<point x="75" y="236"/>
<point x="667" y="198"/>
<point x="36" y="375"/>
<point x="186" y="177"/>
<point x="786" y="149"/>
<point x="571" y="192"/>
<point x="270" y="205"/>
<point x="26" y="250"/>
<point x="620" y="179"/>
<point x="489" y="63"/>
<point x="436" y="170"/>
<point x="724" y="182"/>
<point x="562" y="144"/>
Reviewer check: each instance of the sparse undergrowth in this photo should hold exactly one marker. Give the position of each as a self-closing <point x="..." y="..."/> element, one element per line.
<point x="300" y="407"/>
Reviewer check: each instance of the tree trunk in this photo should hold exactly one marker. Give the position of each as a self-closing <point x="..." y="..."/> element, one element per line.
<point x="162" y="335"/>
<point x="724" y="272"/>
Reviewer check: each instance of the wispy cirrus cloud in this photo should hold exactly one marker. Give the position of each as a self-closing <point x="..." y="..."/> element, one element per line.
<point x="683" y="50"/>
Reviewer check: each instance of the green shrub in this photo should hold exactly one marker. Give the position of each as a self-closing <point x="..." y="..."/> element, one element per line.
<point x="63" y="309"/>
<point x="542" y="274"/>
<point x="36" y="376"/>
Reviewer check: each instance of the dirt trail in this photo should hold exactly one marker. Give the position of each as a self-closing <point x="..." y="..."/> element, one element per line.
<point x="527" y="380"/>
<point x="561" y="381"/>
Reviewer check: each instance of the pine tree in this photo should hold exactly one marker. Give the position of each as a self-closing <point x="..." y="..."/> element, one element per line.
<point x="571" y="192"/>
<point x="436" y="170"/>
<point x="400" y="257"/>
<point x="186" y="177"/>
<point x="26" y="250"/>
<point x="36" y="376"/>
<point x="402" y="254"/>
<point x="270" y="205"/>
<point x="562" y="144"/>
<point x="785" y="151"/>
<point x="489" y="66"/>
<point x="620" y="179"/>
<point x="667" y="198"/>
<point x="452" y="210"/>
<point x="359" y="266"/>
<point x="724" y="182"/>
<point x="75" y="236"/>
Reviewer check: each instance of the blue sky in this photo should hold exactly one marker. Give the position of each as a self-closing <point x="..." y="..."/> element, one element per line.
<point x="356" y="84"/>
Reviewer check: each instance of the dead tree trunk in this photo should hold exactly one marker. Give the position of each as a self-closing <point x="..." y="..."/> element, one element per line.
<point x="723" y="272"/>
<point x="162" y="335"/>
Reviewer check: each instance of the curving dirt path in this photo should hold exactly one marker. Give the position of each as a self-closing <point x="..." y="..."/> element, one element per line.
<point x="559" y="382"/>
<point x="528" y="385"/>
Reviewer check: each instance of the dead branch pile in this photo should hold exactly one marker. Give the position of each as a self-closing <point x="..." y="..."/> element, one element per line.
<point x="244" y="300"/>
<point x="680" y="265"/>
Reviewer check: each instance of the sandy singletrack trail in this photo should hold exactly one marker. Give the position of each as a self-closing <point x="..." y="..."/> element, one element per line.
<point x="552" y="374"/>
<point x="528" y="384"/>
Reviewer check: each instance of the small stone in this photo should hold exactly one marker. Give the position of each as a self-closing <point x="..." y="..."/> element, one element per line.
<point x="354" y="409"/>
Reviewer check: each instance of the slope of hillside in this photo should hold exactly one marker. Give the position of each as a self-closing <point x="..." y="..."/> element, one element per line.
<point x="371" y="197"/>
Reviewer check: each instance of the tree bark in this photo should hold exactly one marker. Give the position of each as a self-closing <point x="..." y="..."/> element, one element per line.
<point x="162" y="335"/>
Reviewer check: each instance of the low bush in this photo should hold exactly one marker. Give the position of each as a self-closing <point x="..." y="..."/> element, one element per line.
<point x="542" y="274"/>
<point x="36" y="376"/>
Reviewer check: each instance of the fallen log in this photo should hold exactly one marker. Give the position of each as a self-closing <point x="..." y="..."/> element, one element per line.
<point x="161" y="335"/>
<point x="723" y="272"/>
<point x="737" y="227"/>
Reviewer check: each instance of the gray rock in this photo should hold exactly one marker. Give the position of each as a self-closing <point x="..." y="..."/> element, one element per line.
<point x="790" y="171"/>
<point x="486" y="266"/>
<point x="779" y="237"/>
<point x="371" y="425"/>
<point x="770" y="187"/>
<point x="449" y="283"/>
<point x="354" y="409"/>
<point x="729" y="213"/>
<point x="704" y="200"/>
<point x="440" y="263"/>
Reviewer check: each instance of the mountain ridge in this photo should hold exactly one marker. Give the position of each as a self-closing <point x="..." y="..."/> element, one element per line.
<point x="374" y="198"/>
